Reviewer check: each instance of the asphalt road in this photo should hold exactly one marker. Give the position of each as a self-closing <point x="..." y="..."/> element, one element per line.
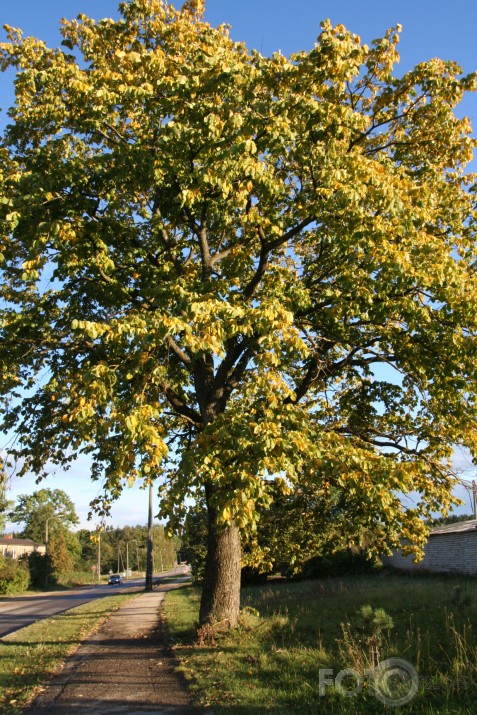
<point x="19" y="611"/>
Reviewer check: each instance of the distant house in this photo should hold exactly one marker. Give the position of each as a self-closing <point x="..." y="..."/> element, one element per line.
<point x="14" y="548"/>
<point x="451" y="548"/>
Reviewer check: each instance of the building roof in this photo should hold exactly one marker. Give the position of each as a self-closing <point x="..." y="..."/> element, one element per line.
<point x="456" y="528"/>
<point x="5" y="541"/>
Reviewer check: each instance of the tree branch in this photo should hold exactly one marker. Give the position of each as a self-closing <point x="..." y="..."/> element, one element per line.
<point x="267" y="247"/>
<point x="262" y="264"/>
<point x="291" y="233"/>
<point x="314" y="372"/>
<point x="205" y="253"/>
<point x="234" y="380"/>
<point x="179" y="405"/>
<point x="118" y="134"/>
<point x="177" y="350"/>
<point x="233" y="352"/>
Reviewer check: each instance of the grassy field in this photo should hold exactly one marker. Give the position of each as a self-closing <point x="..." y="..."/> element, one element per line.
<point x="28" y="656"/>
<point x="271" y="664"/>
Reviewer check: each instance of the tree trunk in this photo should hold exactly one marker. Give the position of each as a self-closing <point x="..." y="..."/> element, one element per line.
<point x="220" y="601"/>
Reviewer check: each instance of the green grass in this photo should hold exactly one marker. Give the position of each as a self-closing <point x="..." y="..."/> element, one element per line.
<point x="167" y="579"/>
<point x="29" y="655"/>
<point x="271" y="663"/>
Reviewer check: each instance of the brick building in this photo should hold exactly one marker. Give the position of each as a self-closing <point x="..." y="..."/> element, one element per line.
<point x="14" y="548"/>
<point x="451" y="548"/>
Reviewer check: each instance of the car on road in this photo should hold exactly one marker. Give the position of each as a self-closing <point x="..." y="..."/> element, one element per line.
<point x="115" y="578"/>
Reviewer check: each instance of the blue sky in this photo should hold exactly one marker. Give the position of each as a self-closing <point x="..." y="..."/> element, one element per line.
<point x="431" y="28"/>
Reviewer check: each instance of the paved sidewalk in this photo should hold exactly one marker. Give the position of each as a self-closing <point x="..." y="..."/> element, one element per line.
<point x="122" y="669"/>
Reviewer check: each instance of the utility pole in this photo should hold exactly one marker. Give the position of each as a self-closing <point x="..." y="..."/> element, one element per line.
<point x="470" y="485"/>
<point x="137" y="555"/>
<point x="149" y="543"/>
<point x="127" y="559"/>
<point x="98" y="568"/>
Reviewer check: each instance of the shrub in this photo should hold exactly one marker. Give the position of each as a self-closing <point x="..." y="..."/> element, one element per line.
<point x="342" y="563"/>
<point x="14" y="576"/>
<point x="40" y="570"/>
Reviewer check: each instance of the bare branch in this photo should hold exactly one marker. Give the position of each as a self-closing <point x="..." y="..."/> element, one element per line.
<point x="234" y="380"/>
<point x="219" y="256"/>
<point x="189" y="258"/>
<point x="234" y="351"/>
<point x="180" y="407"/>
<point x="262" y="264"/>
<point x="106" y="136"/>
<point x="177" y="350"/>
<point x="104" y="275"/>
<point x="204" y="252"/>
<point x="291" y="233"/>
<point x="267" y="247"/>
<point x="119" y="136"/>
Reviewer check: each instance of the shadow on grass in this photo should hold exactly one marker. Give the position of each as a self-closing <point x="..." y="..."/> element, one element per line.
<point x="277" y="670"/>
<point x="293" y="679"/>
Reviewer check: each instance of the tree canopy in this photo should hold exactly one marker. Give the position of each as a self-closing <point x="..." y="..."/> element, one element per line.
<point x="229" y="269"/>
<point x="34" y="509"/>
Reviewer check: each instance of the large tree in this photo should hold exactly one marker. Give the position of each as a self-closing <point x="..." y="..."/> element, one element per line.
<point x="210" y="254"/>
<point x="44" y="509"/>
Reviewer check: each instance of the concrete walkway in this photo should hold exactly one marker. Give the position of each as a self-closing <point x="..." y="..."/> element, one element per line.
<point x="122" y="669"/>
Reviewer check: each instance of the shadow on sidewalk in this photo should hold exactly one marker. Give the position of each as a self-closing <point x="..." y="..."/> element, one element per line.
<point x="124" y="668"/>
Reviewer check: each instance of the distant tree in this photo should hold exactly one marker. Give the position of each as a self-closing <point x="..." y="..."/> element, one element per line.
<point x="127" y="545"/>
<point x="34" y="509"/>
<point x="5" y="504"/>
<point x="194" y="540"/>
<point x="62" y="559"/>
<point x="450" y="519"/>
<point x="165" y="548"/>
<point x="88" y="549"/>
